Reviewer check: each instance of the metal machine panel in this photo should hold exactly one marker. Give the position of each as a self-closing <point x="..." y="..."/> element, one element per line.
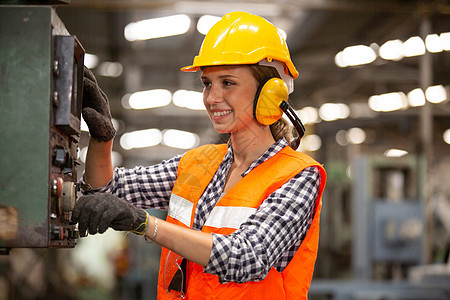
<point x="40" y="85"/>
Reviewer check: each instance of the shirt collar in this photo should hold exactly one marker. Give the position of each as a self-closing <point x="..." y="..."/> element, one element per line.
<point x="271" y="151"/>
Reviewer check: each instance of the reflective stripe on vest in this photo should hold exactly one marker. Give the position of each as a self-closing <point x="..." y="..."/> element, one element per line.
<point x="195" y="171"/>
<point x="180" y="209"/>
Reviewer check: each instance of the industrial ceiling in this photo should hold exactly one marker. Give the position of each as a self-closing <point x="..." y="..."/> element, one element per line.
<point x="316" y="31"/>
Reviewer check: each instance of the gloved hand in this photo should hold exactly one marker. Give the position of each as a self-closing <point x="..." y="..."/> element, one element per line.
<point x="97" y="212"/>
<point x="96" y="111"/>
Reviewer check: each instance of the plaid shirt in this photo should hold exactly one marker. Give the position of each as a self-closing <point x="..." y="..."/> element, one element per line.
<point x="270" y="236"/>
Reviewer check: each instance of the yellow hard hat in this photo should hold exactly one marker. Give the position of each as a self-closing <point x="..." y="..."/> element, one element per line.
<point x="243" y="38"/>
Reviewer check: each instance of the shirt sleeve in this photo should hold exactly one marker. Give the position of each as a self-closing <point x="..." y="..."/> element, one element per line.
<point x="146" y="187"/>
<point x="281" y="221"/>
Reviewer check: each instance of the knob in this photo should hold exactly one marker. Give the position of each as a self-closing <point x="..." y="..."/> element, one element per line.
<point x="67" y="199"/>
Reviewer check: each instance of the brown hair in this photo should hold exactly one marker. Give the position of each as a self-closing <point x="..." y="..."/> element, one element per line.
<point x="280" y="128"/>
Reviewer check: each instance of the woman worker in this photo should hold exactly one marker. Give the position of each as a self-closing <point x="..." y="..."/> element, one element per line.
<point x="243" y="217"/>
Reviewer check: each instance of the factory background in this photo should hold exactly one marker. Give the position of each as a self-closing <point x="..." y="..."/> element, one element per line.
<point x="373" y="93"/>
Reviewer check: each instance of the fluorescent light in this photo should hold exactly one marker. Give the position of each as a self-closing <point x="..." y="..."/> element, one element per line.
<point x="110" y="69"/>
<point x="414" y="46"/>
<point x="205" y="23"/>
<point x="334" y="111"/>
<point x="445" y="40"/>
<point x="308" y="115"/>
<point x="157" y="28"/>
<point x="311" y="143"/>
<point x="90" y="60"/>
<point x="436" y="94"/>
<point x="341" y="138"/>
<point x="356" y="136"/>
<point x="180" y="139"/>
<point x="355" y="55"/>
<point x="446" y="136"/>
<point x="392" y="50"/>
<point x="416" y="98"/>
<point x="388" y="102"/>
<point x="140" y="139"/>
<point x="433" y="43"/>
<point x="188" y="99"/>
<point x="395" y="153"/>
<point x="339" y="60"/>
<point x="147" y="99"/>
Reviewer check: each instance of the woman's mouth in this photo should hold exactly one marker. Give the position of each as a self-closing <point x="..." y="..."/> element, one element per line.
<point x="221" y="113"/>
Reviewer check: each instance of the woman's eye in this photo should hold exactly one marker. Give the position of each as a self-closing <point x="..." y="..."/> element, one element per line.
<point x="227" y="83"/>
<point x="206" y="84"/>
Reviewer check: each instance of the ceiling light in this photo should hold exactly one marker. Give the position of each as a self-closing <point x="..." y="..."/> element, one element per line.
<point x="308" y="115"/>
<point x="392" y="50"/>
<point x="355" y="55"/>
<point x="341" y="138"/>
<point x="445" y="40"/>
<point x="188" y="99"/>
<point x="388" y="102"/>
<point x="310" y="143"/>
<point x="433" y="43"/>
<point x="110" y="69"/>
<point x="436" y="94"/>
<point x="157" y="28"/>
<point x="140" y="139"/>
<point x="147" y="99"/>
<point x="414" y="46"/>
<point x="416" y="98"/>
<point x="339" y="60"/>
<point x="180" y="139"/>
<point x="90" y="60"/>
<point x="395" y="153"/>
<point x="356" y="135"/>
<point x="334" y="111"/>
<point x="446" y="136"/>
<point x="205" y="23"/>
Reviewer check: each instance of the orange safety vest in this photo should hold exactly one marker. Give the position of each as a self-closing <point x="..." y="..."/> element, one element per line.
<point x="195" y="171"/>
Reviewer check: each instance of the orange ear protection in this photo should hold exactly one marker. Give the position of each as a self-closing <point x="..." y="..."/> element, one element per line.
<point x="270" y="103"/>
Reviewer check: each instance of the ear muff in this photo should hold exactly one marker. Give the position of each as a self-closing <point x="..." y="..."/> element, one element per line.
<point x="270" y="94"/>
<point x="271" y="102"/>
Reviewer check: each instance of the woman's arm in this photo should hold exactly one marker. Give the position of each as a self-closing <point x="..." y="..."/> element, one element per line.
<point x="99" y="167"/>
<point x="193" y="245"/>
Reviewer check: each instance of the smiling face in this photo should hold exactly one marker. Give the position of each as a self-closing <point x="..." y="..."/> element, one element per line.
<point x="228" y="96"/>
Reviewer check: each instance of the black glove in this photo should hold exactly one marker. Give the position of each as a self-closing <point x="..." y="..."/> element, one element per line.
<point x="96" y="111"/>
<point x="97" y="212"/>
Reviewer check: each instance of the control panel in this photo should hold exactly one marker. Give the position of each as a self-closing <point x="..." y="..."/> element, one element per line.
<point x="41" y="84"/>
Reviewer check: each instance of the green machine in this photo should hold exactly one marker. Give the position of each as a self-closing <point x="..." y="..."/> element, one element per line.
<point x="41" y="72"/>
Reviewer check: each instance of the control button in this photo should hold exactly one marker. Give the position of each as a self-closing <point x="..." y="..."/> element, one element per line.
<point x="57" y="233"/>
<point x="59" y="156"/>
<point x="73" y="234"/>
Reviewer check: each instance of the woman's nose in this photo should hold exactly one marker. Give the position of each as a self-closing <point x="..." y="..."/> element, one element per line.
<point x="212" y="95"/>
